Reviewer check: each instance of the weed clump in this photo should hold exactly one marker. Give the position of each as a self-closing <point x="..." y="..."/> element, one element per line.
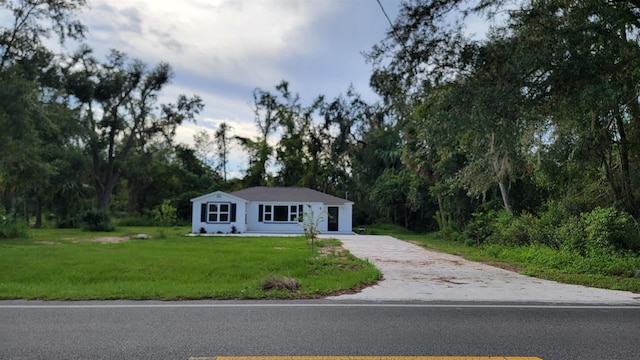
<point x="277" y="282"/>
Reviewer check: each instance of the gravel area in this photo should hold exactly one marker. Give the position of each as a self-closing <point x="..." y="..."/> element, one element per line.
<point x="413" y="273"/>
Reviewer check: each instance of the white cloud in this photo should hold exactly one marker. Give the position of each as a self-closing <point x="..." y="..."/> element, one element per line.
<point x="238" y="41"/>
<point x="222" y="49"/>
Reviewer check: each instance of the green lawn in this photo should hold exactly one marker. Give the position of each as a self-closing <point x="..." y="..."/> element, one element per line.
<point x="66" y="264"/>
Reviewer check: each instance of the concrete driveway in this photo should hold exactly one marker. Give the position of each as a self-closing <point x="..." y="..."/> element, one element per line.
<point x="414" y="273"/>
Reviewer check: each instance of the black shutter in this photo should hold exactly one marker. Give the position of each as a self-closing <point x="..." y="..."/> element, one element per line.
<point x="233" y="212"/>
<point x="260" y="211"/>
<point x="203" y="213"/>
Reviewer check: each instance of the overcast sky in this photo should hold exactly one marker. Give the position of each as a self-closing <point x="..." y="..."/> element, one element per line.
<point x="222" y="50"/>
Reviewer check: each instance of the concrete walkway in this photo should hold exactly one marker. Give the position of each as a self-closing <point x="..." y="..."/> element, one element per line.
<point x="412" y="273"/>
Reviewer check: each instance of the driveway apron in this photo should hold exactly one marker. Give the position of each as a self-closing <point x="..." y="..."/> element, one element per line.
<point x="413" y="273"/>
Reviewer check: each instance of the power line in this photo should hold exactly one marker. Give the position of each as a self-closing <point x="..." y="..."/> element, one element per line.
<point x="393" y="28"/>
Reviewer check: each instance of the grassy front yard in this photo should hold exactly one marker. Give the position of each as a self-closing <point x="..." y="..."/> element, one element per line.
<point x="64" y="264"/>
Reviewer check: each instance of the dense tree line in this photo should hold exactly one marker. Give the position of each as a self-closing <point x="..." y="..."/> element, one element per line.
<point x="77" y="132"/>
<point x="537" y="122"/>
<point x="342" y="146"/>
<point x="534" y="125"/>
<point x="84" y="137"/>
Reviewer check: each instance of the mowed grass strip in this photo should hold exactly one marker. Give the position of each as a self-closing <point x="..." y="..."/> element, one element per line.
<point x="70" y="265"/>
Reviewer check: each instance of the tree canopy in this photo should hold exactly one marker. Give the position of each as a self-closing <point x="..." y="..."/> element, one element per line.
<point x="540" y="115"/>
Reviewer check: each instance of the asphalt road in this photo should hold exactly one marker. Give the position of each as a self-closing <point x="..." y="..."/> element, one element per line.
<point x="179" y="330"/>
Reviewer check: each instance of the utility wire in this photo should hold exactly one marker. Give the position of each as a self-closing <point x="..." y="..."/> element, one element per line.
<point x="393" y="28"/>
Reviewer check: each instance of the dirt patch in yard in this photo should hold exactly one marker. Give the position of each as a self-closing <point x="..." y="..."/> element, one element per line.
<point x="335" y="250"/>
<point x="100" y="240"/>
<point x="110" y="239"/>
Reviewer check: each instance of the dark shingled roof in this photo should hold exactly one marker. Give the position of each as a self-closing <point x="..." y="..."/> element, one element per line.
<point x="287" y="194"/>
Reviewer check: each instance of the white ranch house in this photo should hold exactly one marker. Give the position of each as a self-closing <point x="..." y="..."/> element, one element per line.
<point x="272" y="210"/>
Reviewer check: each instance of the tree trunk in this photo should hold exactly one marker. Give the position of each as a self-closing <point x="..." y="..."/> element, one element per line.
<point x="104" y="187"/>
<point x="608" y="172"/>
<point x="505" y="195"/>
<point x="499" y="167"/>
<point x="104" y="196"/>
<point x="443" y="219"/>
<point x="627" y="195"/>
<point x="406" y="218"/>
<point x="38" y="223"/>
<point x="503" y="189"/>
<point x="25" y="210"/>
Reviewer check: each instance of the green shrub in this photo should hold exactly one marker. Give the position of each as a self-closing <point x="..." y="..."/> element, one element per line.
<point x="461" y="238"/>
<point x="470" y="242"/>
<point x="571" y="236"/>
<point x="619" y="264"/>
<point x="601" y="242"/>
<point x="165" y="214"/>
<point x="444" y="224"/>
<point x="69" y="222"/>
<point x="609" y="229"/>
<point x="508" y="229"/>
<point x="479" y="228"/>
<point x="94" y="220"/>
<point x="545" y="231"/>
<point x="12" y="226"/>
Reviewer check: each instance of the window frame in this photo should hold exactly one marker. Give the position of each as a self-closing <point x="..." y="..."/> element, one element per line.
<point x="292" y="215"/>
<point x="218" y="212"/>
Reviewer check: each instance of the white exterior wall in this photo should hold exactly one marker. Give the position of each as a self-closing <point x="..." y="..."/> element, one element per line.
<point x="247" y="216"/>
<point x="254" y="225"/>
<point x="345" y="213"/>
<point x="213" y="228"/>
<point x="345" y="218"/>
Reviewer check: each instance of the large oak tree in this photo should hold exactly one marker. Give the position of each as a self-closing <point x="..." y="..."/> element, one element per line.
<point x="119" y="101"/>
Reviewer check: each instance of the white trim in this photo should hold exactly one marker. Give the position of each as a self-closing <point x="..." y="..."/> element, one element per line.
<point x="222" y="193"/>
<point x="272" y="212"/>
<point x="219" y="212"/>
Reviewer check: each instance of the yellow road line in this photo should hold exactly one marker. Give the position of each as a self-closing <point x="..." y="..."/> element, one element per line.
<point x="367" y="358"/>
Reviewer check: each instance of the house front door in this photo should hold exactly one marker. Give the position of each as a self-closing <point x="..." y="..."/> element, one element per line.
<point x="333" y="218"/>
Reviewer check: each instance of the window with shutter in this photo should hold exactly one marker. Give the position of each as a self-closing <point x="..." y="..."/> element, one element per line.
<point x="280" y="213"/>
<point x="218" y="213"/>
